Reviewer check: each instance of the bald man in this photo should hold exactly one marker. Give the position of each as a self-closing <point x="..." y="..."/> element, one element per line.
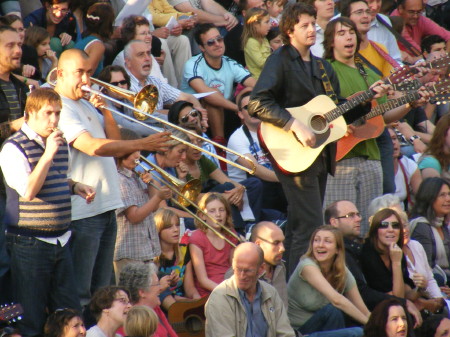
<point x="270" y="238"/>
<point x="244" y="306"/>
<point x="94" y="140"/>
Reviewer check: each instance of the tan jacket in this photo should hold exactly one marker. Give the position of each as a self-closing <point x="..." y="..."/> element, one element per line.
<point x="225" y="313"/>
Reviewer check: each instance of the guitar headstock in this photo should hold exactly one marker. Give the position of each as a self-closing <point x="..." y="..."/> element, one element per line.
<point x="443" y="86"/>
<point x="399" y="75"/>
<point x="11" y="313"/>
<point x="439" y="63"/>
<point x="440" y="99"/>
<point x="407" y="85"/>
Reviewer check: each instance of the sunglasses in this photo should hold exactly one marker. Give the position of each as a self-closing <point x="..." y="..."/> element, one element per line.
<point x="394" y="225"/>
<point x="123" y="82"/>
<point x="211" y="42"/>
<point x="193" y="113"/>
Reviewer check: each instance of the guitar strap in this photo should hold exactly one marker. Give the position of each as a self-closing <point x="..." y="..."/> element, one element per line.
<point x="326" y="82"/>
<point x="361" y="70"/>
<point x="370" y="65"/>
<point x="250" y="139"/>
<point x="385" y="55"/>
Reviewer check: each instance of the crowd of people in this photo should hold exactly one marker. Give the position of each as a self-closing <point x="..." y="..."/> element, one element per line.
<point x="284" y="169"/>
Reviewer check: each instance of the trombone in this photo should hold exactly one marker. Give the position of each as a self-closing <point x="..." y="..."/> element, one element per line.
<point x="138" y="100"/>
<point x="188" y="201"/>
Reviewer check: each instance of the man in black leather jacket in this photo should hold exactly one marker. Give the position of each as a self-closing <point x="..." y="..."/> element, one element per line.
<point x="291" y="77"/>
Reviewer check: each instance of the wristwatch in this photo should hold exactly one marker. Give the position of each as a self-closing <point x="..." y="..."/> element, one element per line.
<point x="413" y="138"/>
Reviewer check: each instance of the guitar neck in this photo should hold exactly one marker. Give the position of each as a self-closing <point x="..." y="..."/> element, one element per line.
<point x="392" y="104"/>
<point x="350" y="104"/>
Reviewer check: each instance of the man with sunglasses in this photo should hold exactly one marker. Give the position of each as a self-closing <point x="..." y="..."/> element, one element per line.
<point x="212" y="71"/>
<point x="417" y="26"/>
<point x="344" y="215"/>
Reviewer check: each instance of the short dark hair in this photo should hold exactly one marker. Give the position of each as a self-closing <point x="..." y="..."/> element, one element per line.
<point x="9" y="19"/>
<point x="129" y="25"/>
<point x="201" y="29"/>
<point x="105" y="74"/>
<point x="56" y="322"/>
<point x="346" y="5"/>
<point x="330" y="33"/>
<point x="103" y="298"/>
<point x="428" y="41"/>
<point x="55" y="2"/>
<point x="376" y="326"/>
<point x="291" y="16"/>
<point x="431" y="324"/>
<point x="331" y="212"/>
<point x="241" y="98"/>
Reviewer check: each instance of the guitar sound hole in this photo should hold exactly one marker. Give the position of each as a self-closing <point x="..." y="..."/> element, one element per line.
<point x="194" y="324"/>
<point x="318" y="124"/>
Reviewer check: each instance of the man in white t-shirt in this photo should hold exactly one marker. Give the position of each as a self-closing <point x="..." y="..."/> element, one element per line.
<point x="94" y="139"/>
<point x="245" y="141"/>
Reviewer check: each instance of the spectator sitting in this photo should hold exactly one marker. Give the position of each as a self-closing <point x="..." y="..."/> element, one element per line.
<point x="141" y="321"/>
<point x="325" y="11"/>
<point x="99" y="28"/>
<point x="435" y="326"/>
<point x="64" y="323"/>
<point x="274" y="38"/>
<point x="275" y="8"/>
<point x="56" y="18"/>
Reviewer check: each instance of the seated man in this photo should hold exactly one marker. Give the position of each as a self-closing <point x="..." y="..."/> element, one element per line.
<point x="212" y="71"/>
<point x="138" y="63"/>
<point x="245" y="141"/>
<point x="417" y="26"/>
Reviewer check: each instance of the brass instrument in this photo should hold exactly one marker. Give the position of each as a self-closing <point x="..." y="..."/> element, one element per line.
<point x="189" y="202"/>
<point x="188" y="190"/>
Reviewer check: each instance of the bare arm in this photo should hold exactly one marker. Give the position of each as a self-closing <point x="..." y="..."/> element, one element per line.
<point x="416" y="180"/>
<point x="216" y="99"/>
<point x="199" y="268"/>
<point x="96" y="50"/>
<point x="188" y="282"/>
<point x="429" y="173"/>
<point x="137" y="214"/>
<point x="203" y="16"/>
<point x="261" y="172"/>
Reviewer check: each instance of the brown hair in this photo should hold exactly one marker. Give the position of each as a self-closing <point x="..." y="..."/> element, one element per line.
<point x="163" y="219"/>
<point x="208" y="198"/>
<point x="35" y="35"/>
<point x="337" y="275"/>
<point x="437" y="142"/>
<point x="100" y="19"/>
<point x="254" y="16"/>
<point x="330" y="33"/>
<point x="375" y="224"/>
<point x="129" y="25"/>
<point x="40" y="97"/>
<point x="103" y="298"/>
<point x="291" y="16"/>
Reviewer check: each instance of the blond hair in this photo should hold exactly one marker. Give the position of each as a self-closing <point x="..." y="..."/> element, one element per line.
<point x="163" y="219"/>
<point x="254" y="16"/>
<point x="205" y="200"/>
<point x="141" y="321"/>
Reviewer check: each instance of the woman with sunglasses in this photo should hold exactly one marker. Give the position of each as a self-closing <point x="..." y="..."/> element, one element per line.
<point x="64" y="323"/>
<point x="428" y="225"/>
<point x="382" y="260"/>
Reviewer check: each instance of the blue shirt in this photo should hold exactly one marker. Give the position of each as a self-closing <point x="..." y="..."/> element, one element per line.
<point x="256" y="323"/>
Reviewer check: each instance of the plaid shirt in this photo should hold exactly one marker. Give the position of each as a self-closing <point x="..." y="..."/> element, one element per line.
<point x="135" y="241"/>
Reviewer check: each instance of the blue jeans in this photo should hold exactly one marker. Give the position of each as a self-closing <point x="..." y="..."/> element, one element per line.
<point x="327" y="318"/>
<point x="92" y="245"/>
<point x="347" y="332"/>
<point x="386" y="148"/>
<point x="5" y="282"/>
<point x="43" y="277"/>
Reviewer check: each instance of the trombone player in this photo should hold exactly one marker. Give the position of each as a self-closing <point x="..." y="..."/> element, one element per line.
<point x="94" y="139"/>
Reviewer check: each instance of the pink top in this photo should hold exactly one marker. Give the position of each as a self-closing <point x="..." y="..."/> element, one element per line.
<point x="217" y="261"/>
<point x="424" y="27"/>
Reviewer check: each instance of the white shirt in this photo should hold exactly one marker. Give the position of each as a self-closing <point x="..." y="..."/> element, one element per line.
<point x="379" y="33"/>
<point x="318" y="49"/>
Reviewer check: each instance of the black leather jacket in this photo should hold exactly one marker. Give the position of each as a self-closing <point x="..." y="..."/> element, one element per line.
<point x="285" y="82"/>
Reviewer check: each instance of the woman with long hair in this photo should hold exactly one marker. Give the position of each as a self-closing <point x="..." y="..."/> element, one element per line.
<point x="321" y="288"/>
<point x="211" y="255"/>
<point x="428" y="224"/>
<point x="175" y="259"/>
<point x="435" y="161"/>
<point x="382" y="260"/>
<point x="99" y="28"/>
<point x="389" y="319"/>
<point x="65" y="323"/>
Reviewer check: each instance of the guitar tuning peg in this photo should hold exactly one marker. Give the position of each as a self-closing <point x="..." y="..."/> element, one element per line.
<point x="19" y="318"/>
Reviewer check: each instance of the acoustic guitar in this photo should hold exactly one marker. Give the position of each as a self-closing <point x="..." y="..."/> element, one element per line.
<point x="187" y="318"/>
<point x="323" y="118"/>
<point x="372" y="125"/>
<point x="10" y="313"/>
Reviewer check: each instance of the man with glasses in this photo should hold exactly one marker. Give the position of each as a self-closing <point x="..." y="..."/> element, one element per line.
<point x="212" y="71"/>
<point x="344" y="215"/>
<point x="417" y="26"/>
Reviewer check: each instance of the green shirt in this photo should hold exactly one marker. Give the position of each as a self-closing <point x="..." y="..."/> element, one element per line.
<point x="351" y="81"/>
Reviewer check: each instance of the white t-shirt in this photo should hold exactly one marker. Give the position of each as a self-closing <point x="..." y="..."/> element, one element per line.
<point x="410" y="168"/>
<point x="78" y="117"/>
<point x="239" y="143"/>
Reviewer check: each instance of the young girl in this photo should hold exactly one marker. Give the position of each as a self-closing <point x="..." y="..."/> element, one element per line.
<point x="137" y="239"/>
<point x="274" y="38"/>
<point x="211" y="255"/>
<point x="254" y="42"/>
<point x="275" y="8"/>
<point x="175" y="259"/>
<point x="38" y="38"/>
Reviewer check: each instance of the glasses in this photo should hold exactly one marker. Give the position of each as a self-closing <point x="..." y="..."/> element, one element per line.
<point x="123" y="82"/>
<point x="360" y="12"/>
<point x="122" y="300"/>
<point x="394" y="225"/>
<point x="193" y="113"/>
<point x="274" y="243"/>
<point x="350" y="215"/>
<point x="244" y="271"/>
<point x="212" y="41"/>
<point x="59" y="10"/>
<point x="414" y="13"/>
<point x="444" y="194"/>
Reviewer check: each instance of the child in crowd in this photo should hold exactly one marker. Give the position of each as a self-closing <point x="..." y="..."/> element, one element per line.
<point x="254" y="42"/>
<point x="137" y="239"/>
<point x="38" y="38"/>
<point x="274" y="38"/>
<point x="175" y="259"/>
<point x="211" y="255"/>
<point x="275" y="8"/>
